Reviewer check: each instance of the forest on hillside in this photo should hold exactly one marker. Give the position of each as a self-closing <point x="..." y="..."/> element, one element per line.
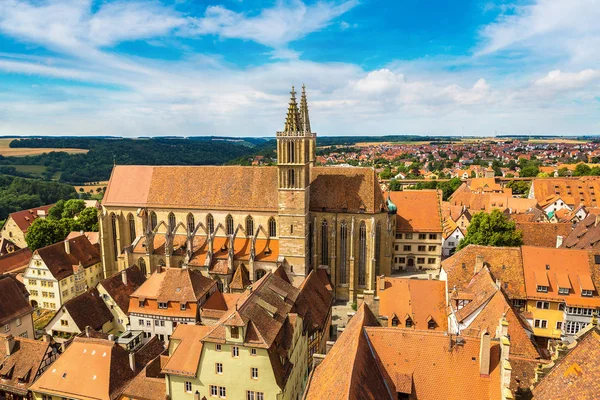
<point x="97" y="163"/>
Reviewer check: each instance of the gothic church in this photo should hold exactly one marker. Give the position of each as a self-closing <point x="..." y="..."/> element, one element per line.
<point x="234" y="223"/>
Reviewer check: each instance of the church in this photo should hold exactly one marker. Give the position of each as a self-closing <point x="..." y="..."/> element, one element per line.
<point x="232" y="221"/>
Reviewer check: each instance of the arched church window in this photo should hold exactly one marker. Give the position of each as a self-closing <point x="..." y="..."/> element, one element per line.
<point x="249" y="226"/>
<point x="272" y="227"/>
<point x="324" y="244"/>
<point x="142" y="266"/>
<point x="362" y="254"/>
<point x="229" y="224"/>
<point x="210" y="223"/>
<point x="113" y="226"/>
<point x="131" y="220"/>
<point x="191" y="224"/>
<point x="153" y="220"/>
<point x="172" y="222"/>
<point x="343" y="252"/>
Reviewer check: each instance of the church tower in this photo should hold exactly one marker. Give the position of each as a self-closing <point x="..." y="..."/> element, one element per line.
<point x="295" y="156"/>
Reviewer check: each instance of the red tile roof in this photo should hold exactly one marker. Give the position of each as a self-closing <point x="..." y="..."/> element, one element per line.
<point x="418" y="210"/>
<point x="25" y="218"/>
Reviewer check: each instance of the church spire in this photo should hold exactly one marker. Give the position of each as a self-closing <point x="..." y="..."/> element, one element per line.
<point x="304" y="112"/>
<point x="292" y="119"/>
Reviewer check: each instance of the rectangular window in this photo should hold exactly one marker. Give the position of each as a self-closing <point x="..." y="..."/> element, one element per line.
<point x="141" y="322"/>
<point x="543" y="289"/>
<point x="559" y="325"/>
<point x="402" y="260"/>
<point x="398" y="236"/>
<point x="214" y="391"/>
<point x="235" y="351"/>
<point x="433" y="236"/>
<point x="432" y="248"/>
<point x="254" y="373"/>
<point x="162" y="305"/>
<point x="142" y="303"/>
<point x="544" y="305"/>
<point x="188" y="387"/>
<point x="422" y="236"/>
<point x="396" y="247"/>
<point x="407" y="248"/>
<point x="219" y="368"/>
<point x="32" y="282"/>
<point x="587" y="293"/>
<point x="7" y="328"/>
<point x="64" y="322"/>
<point x="408" y="235"/>
<point x="562" y="290"/>
<point x="217" y="347"/>
<point x="253" y="352"/>
<point x="149" y="323"/>
<point x="540" y="323"/>
<point x="431" y="261"/>
<point x="421" y="260"/>
<point x="222" y="392"/>
<point x="421" y="248"/>
<point x="183" y="306"/>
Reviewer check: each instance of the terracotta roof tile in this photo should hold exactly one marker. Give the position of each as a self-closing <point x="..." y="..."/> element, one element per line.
<point x="22" y="366"/>
<point x="574" y="377"/>
<point x="16" y="261"/>
<point x="88" y="309"/>
<point x="504" y="263"/>
<point x="585" y="235"/>
<point x="543" y="234"/>
<point x="418" y="210"/>
<point x="241" y="278"/>
<point x="25" y="218"/>
<point x="573" y="191"/>
<point x="13" y="303"/>
<point x="421" y="299"/>
<point x="60" y="263"/>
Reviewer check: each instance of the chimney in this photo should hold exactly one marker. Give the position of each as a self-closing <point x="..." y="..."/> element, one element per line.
<point x="478" y="263"/>
<point x="328" y="345"/>
<point x="111" y="337"/>
<point x="67" y="246"/>
<point x="484" y="354"/>
<point x="124" y="277"/>
<point x="317" y="359"/>
<point x="559" y="241"/>
<point x="381" y="283"/>
<point x="502" y="327"/>
<point x="197" y="395"/>
<point x="87" y="331"/>
<point x="9" y="342"/>
<point x="132" y="361"/>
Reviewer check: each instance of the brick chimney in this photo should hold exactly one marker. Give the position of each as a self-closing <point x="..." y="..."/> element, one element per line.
<point x="484" y="354"/>
<point x="9" y="342"/>
<point x="478" y="263"/>
<point x="124" y="277"/>
<point x="67" y="246"/>
<point x="381" y="283"/>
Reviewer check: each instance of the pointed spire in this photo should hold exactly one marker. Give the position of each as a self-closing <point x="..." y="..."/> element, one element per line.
<point x="304" y="112"/>
<point x="292" y="120"/>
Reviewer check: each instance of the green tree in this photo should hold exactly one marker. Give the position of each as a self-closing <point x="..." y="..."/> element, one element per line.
<point x="56" y="211"/>
<point x="72" y="208"/>
<point x="449" y="187"/>
<point x="88" y="218"/>
<point x="395" y="186"/>
<point x="582" y="170"/>
<point x="492" y="229"/>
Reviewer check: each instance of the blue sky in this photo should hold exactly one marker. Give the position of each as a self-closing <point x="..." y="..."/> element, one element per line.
<point x="371" y="67"/>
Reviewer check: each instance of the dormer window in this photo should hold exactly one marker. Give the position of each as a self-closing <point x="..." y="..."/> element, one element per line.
<point x="431" y="324"/>
<point x="162" y="305"/>
<point x="183" y="306"/>
<point x="395" y="321"/>
<point x="542" y="289"/>
<point x="235" y="332"/>
<point x="142" y="303"/>
<point x="587" y="293"/>
<point x="408" y="323"/>
<point x="562" y="290"/>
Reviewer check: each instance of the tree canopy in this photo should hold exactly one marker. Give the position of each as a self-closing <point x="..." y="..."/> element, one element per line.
<point x="492" y="229"/>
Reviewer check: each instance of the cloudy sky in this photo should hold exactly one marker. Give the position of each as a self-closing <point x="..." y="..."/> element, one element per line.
<point x="371" y="67"/>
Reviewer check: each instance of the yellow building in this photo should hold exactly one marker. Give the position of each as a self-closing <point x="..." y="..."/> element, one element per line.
<point x="561" y="294"/>
<point x="257" y="350"/>
<point x="418" y="236"/>
<point x="215" y="218"/>
<point x="62" y="271"/>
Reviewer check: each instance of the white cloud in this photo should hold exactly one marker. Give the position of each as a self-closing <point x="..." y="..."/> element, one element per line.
<point x="561" y="28"/>
<point x="569" y="80"/>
